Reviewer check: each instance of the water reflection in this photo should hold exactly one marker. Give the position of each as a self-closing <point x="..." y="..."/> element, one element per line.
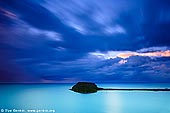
<point x="113" y="102"/>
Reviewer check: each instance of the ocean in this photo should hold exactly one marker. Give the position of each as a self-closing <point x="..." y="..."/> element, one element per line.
<point x="57" y="98"/>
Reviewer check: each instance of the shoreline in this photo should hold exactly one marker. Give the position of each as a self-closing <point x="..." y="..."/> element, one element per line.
<point x="136" y="89"/>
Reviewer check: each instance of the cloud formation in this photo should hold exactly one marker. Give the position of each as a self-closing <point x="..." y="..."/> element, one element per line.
<point x="127" y="54"/>
<point x="70" y="41"/>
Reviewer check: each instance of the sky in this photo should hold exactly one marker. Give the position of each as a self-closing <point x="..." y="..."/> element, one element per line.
<point x="66" y="41"/>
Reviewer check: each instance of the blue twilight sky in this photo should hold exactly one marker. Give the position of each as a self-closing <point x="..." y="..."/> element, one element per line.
<point x="64" y="41"/>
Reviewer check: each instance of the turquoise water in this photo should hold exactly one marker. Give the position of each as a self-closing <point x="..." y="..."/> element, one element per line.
<point x="57" y="98"/>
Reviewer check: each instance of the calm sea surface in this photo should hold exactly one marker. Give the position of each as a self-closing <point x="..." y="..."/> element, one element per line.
<point x="49" y="98"/>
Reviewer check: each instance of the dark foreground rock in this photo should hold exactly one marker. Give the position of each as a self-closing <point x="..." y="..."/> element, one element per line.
<point x="88" y="87"/>
<point x="85" y="87"/>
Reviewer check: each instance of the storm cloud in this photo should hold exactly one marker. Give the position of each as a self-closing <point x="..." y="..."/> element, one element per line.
<point x="70" y="41"/>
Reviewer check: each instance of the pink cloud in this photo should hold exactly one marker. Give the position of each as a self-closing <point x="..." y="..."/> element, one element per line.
<point x="127" y="54"/>
<point x="8" y="13"/>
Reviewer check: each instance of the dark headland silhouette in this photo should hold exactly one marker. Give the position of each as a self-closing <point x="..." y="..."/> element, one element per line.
<point x="89" y="87"/>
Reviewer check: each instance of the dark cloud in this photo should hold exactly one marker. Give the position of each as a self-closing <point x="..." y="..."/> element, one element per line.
<point x="52" y="40"/>
<point x="156" y="25"/>
<point x="34" y="14"/>
<point x="140" y="27"/>
<point x="10" y="71"/>
<point x="136" y="69"/>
